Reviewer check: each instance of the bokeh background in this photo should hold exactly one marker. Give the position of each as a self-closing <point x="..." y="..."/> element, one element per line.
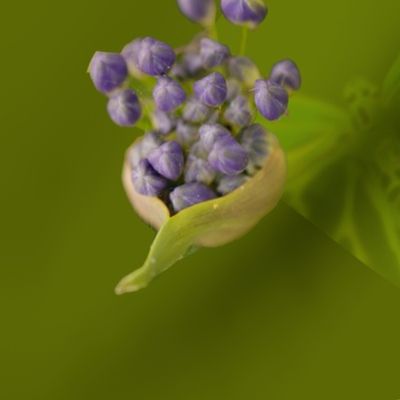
<point x="284" y="313"/>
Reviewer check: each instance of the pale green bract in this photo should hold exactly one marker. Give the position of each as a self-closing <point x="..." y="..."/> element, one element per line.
<point x="344" y="169"/>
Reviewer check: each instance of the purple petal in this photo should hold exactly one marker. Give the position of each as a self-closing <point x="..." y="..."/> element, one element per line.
<point x="271" y="99"/>
<point x="211" y="90"/>
<point x="244" y="12"/>
<point x="143" y="148"/>
<point x="244" y="70"/>
<point x="199" y="170"/>
<point x="164" y="123"/>
<point x="228" y="156"/>
<point x="124" y="108"/>
<point x="238" y="112"/>
<point x="195" y="111"/>
<point x="287" y="74"/>
<point x="108" y="71"/>
<point x="210" y="133"/>
<point x="146" y="181"/>
<point x="168" y="160"/>
<point x="201" y="11"/>
<point x="228" y="184"/>
<point x="254" y="140"/>
<point x="190" y="194"/>
<point x="150" y="56"/>
<point x="213" y="53"/>
<point x="168" y="94"/>
<point x="186" y="133"/>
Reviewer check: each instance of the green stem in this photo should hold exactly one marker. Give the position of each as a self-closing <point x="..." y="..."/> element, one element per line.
<point x="243" y="42"/>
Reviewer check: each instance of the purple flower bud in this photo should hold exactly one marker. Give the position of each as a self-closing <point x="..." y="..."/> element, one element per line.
<point x="167" y="160"/>
<point x="163" y="122"/>
<point x="210" y="133"/>
<point x="198" y="170"/>
<point x="234" y="88"/>
<point x="168" y="94"/>
<point x="228" y="184"/>
<point x="193" y="64"/>
<point x="228" y="156"/>
<point x="238" y="112"/>
<point x="143" y="148"/>
<point x="130" y="52"/>
<point x="124" y="108"/>
<point x="197" y="150"/>
<point x="271" y="99"/>
<point x="201" y="11"/>
<point x="211" y="90"/>
<point x="244" y="70"/>
<point x="146" y="181"/>
<point x="108" y="71"/>
<point x="186" y="134"/>
<point x="213" y="53"/>
<point x="195" y="111"/>
<point x="150" y="56"/>
<point x="287" y="74"/>
<point x="254" y="141"/>
<point x="244" y="12"/>
<point x="190" y="194"/>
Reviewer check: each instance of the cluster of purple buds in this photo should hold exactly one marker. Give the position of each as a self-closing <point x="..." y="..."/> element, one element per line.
<point x="199" y="105"/>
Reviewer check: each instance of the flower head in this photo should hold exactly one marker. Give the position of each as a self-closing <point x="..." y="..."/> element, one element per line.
<point x="211" y="90"/>
<point x="287" y="74"/>
<point x="167" y="160"/>
<point x="190" y="194"/>
<point x="150" y="56"/>
<point x="108" y="71"/>
<point x="124" y="108"/>
<point x="168" y="94"/>
<point x="146" y="181"/>
<point x="271" y="99"/>
<point x="228" y="156"/>
<point x="213" y="53"/>
<point x="201" y="11"/>
<point x="244" y="12"/>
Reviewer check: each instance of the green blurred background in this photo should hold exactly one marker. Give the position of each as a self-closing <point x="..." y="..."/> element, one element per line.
<point x="284" y="313"/>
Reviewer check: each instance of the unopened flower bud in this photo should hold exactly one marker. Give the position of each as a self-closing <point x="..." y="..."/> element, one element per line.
<point x="213" y="53"/>
<point x="228" y="156"/>
<point x="124" y="108"/>
<point x="210" y="133"/>
<point x="271" y="99"/>
<point x="287" y="74"/>
<point x="168" y="94"/>
<point x="164" y="123"/>
<point x="234" y="88"/>
<point x="211" y="90"/>
<point x="244" y="70"/>
<point x="168" y="160"/>
<point x="228" y="184"/>
<point x="190" y="194"/>
<point x="150" y="56"/>
<point x="195" y="111"/>
<point x="146" y="180"/>
<point x="244" y="12"/>
<point x="108" y="71"/>
<point x="143" y="148"/>
<point x="186" y="134"/>
<point x="238" y="112"/>
<point x="192" y="63"/>
<point x="201" y="11"/>
<point x="254" y="141"/>
<point x="199" y="170"/>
